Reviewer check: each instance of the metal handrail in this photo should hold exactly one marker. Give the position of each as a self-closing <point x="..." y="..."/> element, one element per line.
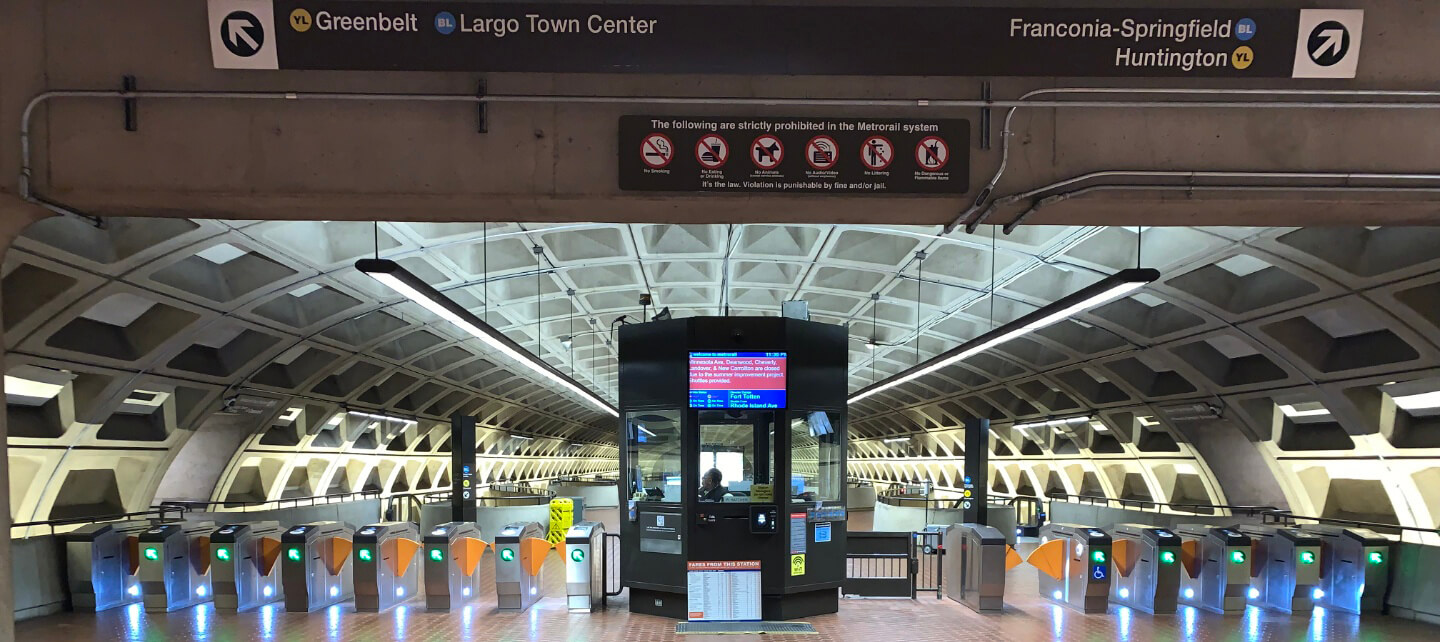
<point x="154" y="514"/>
<point x="1143" y="503"/>
<point x="1288" y="518"/>
<point x="271" y="504"/>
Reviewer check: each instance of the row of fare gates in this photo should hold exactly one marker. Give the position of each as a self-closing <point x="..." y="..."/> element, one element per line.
<point x="1221" y="569"/>
<point x="312" y="566"/>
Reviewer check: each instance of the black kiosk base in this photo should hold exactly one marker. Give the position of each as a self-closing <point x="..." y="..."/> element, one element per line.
<point x="732" y="459"/>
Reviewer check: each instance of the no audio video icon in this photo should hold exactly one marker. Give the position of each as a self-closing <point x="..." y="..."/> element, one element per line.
<point x="822" y="152"/>
<point x="242" y="34"/>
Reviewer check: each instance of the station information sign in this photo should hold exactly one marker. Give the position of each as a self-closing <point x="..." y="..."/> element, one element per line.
<point x="737" y="379"/>
<point x="853" y="40"/>
<point x="811" y="155"/>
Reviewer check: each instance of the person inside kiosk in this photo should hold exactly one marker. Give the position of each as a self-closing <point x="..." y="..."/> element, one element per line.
<point x="710" y="488"/>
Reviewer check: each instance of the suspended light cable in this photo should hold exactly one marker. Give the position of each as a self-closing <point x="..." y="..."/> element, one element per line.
<point x="1101" y="292"/>
<point x="412" y="287"/>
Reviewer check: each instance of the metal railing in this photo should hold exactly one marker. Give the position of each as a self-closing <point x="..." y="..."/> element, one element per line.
<point x="1194" y="508"/>
<point x="230" y="505"/>
<point x="157" y="514"/>
<point x="1287" y="518"/>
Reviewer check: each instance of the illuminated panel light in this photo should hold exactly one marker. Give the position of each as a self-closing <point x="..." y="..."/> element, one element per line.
<point x="1098" y="557"/>
<point x="152" y="553"/>
<point x="437" y="555"/>
<point x="200" y="590"/>
<point x="1317" y="594"/>
<point x="1237" y="557"/>
<point x="1124" y="593"/>
<point x="577" y="555"/>
<point x="465" y="591"/>
<point x="1189" y="593"/>
<point x="1253" y="593"/>
<point x="411" y="287"/>
<point x="896" y="440"/>
<point x="293" y="554"/>
<point x="1376" y="557"/>
<point x="334" y="591"/>
<point x="222" y="554"/>
<point x="1421" y="401"/>
<point x="1055" y="594"/>
<point x="1307" y="557"/>
<point x="133" y="590"/>
<point x="1100" y="293"/>
<point x="1167" y="557"/>
<point x="399" y="591"/>
<point x="534" y="589"/>
<point x="365" y="555"/>
<point x="507" y="554"/>
<point x="267" y="591"/>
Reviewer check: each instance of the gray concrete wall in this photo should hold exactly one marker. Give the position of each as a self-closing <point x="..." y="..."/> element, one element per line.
<point x="594" y="496"/>
<point x="1238" y="466"/>
<point x="38" y="576"/>
<point x="356" y="514"/>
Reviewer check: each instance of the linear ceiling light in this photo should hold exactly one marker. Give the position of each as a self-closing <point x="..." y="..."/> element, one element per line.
<point x="1101" y="292"/>
<point x="385" y="418"/>
<point x="402" y="281"/>
<point x="1422" y="401"/>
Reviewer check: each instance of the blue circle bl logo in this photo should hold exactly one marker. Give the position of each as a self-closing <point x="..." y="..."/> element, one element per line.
<point x="445" y="22"/>
<point x="1245" y="29"/>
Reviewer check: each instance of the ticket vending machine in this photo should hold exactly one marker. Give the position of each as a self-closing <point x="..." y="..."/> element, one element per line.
<point x="585" y="566"/>
<point x="385" y="570"/>
<point x="452" y="563"/>
<point x="1074" y="565"/>
<point x="1217" y="562"/>
<point x="1354" y="568"/>
<point x="976" y="559"/>
<point x="520" y="550"/>
<point x="1285" y="568"/>
<point x="1147" y="568"/>
<point x="101" y="562"/>
<point x="245" y="570"/>
<point x="175" y="565"/>
<point x="314" y="567"/>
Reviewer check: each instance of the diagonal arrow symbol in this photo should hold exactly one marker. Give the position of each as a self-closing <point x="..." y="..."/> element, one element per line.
<point x="1333" y="39"/>
<point x="238" y="29"/>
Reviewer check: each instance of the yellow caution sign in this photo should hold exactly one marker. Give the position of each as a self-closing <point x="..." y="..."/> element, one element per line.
<point x="562" y="517"/>
<point x="797" y="565"/>
<point x="762" y="493"/>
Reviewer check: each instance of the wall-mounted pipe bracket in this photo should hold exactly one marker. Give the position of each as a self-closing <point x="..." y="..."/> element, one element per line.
<point x="482" y="116"/>
<point x="127" y="85"/>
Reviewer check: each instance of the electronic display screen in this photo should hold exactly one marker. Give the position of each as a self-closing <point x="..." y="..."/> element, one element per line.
<point x="737" y="379"/>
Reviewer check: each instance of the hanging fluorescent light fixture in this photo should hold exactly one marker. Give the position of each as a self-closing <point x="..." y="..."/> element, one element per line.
<point x="402" y="281"/>
<point x="896" y="440"/>
<point x="1104" y="291"/>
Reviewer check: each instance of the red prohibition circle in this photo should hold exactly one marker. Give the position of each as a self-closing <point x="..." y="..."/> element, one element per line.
<point x="920" y="151"/>
<point x="834" y="153"/>
<point x="701" y="149"/>
<point x="865" y="158"/>
<point x="646" y="148"/>
<point x="778" y="151"/>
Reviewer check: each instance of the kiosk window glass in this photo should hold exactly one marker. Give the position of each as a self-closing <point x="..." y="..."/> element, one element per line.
<point x="815" y="457"/>
<point x="736" y="445"/>
<point x="653" y="438"/>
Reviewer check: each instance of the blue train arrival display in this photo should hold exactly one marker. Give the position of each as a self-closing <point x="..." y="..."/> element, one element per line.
<point x="737" y="379"/>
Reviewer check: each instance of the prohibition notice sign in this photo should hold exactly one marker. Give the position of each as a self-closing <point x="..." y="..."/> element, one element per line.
<point x="877" y="153"/>
<point x="657" y="151"/>
<point x="822" y="152"/>
<point x="712" y="151"/>
<point x="767" y="151"/>
<point x="931" y="153"/>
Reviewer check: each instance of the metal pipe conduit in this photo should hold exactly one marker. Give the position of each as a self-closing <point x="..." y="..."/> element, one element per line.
<point x="1356" y="99"/>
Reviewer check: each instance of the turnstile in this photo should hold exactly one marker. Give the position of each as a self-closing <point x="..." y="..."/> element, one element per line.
<point x="385" y="570"/>
<point x="1216" y="562"/>
<point x="1147" y="568"/>
<point x="976" y="558"/>
<point x="101" y="561"/>
<point x="245" y="572"/>
<point x="1074" y="565"/>
<point x="313" y="567"/>
<point x="520" y="550"/>
<point x="452" y="562"/>
<point x="175" y="565"/>
<point x="1285" y="568"/>
<point x="1354" y="568"/>
<point x="584" y="566"/>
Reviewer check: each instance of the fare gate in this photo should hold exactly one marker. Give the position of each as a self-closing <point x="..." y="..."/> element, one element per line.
<point x="101" y="564"/>
<point x="585" y="566"/>
<point x="1074" y="565"/>
<point x="1217" y="567"/>
<point x="384" y="565"/>
<point x="245" y="572"/>
<point x="1285" y="568"/>
<point x="175" y="565"/>
<point x="1355" y="568"/>
<point x="975" y="564"/>
<point x="314" y="570"/>
<point x="1147" y="568"/>
<point x="452" y="562"/>
<point x="520" y="550"/>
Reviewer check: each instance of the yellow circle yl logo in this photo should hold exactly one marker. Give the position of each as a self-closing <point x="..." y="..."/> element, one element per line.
<point x="1242" y="57"/>
<point x="300" y="20"/>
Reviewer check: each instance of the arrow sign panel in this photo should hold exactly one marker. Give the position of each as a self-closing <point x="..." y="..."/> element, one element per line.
<point x="1327" y="44"/>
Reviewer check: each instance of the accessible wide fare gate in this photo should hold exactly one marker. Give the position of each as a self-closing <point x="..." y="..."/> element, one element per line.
<point x="880" y="564"/>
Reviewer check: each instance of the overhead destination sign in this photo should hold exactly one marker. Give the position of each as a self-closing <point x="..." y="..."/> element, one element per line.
<point x="835" y="155"/>
<point x="416" y="35"/>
